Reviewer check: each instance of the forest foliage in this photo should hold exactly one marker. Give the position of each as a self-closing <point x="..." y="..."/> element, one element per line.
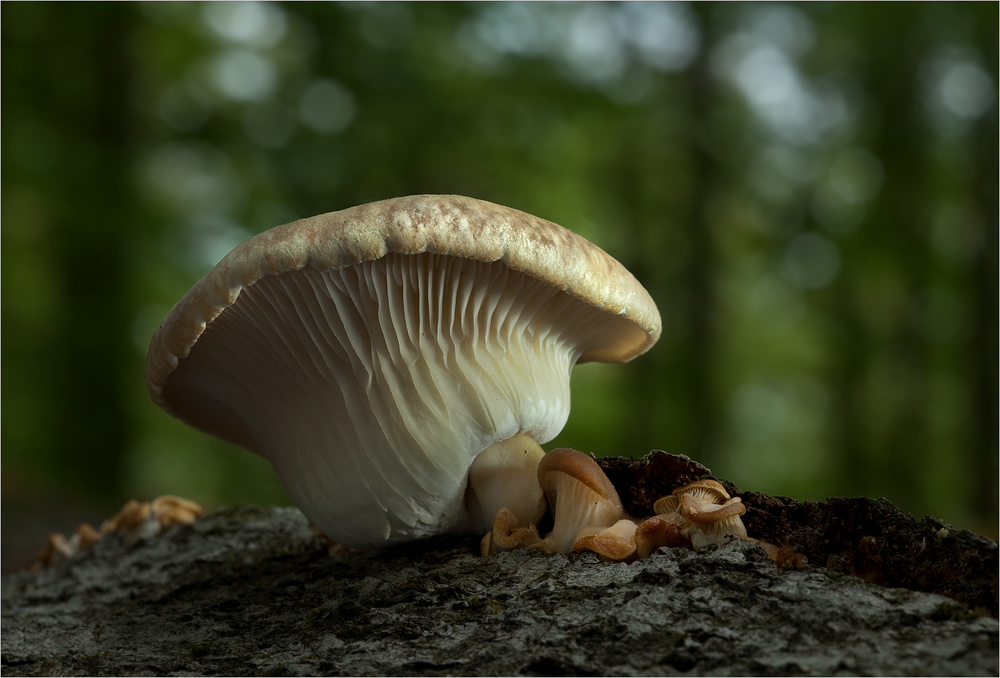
<point x="808" y="191"/>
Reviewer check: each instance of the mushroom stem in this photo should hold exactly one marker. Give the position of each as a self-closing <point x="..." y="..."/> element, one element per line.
<point x="505" y="476"/>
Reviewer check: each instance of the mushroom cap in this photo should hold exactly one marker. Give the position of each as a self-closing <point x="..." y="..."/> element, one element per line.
<point x="581" y="496"/>
<point x="657" y="531"/>
<point x="611" y="544"/>
<point x="370" y="354"/>
<point x="703" y="510"/>
<point x="700" y="510"/>
<point x="443" y="224"/>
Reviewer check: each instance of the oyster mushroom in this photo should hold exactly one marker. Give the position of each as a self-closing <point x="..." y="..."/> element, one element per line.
<point x="372" y="355"/>
<point x="704" y="511"/>
<point x="587" y="512"/>
<point x="503" y="487"/>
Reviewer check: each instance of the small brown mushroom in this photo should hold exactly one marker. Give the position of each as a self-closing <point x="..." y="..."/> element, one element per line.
<point x="57" y="548"/>
<point x="86" y="536"/>
<point x="710" y="490"/>
<point x="170" y="510"/>
<point x="146" y="519"/>
<point x="504" y="479"/>
<point x="507" y="535"/>
<point x="128" y="520"/>
<point x="581" y="497"/>
<point x="659" y="531"/>
<point x="136" y="520"/>
<point x="615" y="543"/>
<point x="713" y="525"/>
<point x="704" y="512"/>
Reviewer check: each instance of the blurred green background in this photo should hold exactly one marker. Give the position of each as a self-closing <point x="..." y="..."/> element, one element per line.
<point x="809" y="192"/>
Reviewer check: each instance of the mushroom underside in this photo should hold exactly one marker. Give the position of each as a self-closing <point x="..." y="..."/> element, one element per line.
<point x="372" y="388"/>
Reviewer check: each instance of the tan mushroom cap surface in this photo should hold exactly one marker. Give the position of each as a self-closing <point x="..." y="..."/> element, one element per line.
<point x="455" y="225"/>
<point x="331" y="279"/>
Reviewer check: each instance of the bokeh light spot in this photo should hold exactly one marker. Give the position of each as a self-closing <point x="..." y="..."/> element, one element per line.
<point x="810" y="260"/>
<point x="243" y="75"/>
<point x="967" y="90"/>
<point x="259" y="24"/>
<point x="327" y="107"/>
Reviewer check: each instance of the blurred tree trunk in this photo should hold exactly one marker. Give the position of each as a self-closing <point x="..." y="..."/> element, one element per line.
<point x="902" y="222"/>
<point x="677" y="261"/>
<point x="983" y="365"/>
<point x="81" y="86"/>
<point x="699" y="376"/>
<point x="879" y="425"/>
<point x="95" y="335"/>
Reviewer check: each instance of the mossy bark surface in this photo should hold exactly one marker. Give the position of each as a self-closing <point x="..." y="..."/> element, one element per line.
<point x="250" y="591"/>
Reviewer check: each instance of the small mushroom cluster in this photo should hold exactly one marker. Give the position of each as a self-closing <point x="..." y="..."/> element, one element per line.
<point x="136" y="520"/>
<point x="588" y="516"/>
<point x="702" y="512"/>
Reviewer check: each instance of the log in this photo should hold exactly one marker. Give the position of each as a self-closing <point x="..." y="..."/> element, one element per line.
<point x="255" y="591"/>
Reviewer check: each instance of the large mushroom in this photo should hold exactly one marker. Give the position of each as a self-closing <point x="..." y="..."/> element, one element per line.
<point x="373" y="355"/>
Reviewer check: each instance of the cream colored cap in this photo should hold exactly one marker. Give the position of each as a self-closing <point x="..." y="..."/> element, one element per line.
<point x="442" y="224"/>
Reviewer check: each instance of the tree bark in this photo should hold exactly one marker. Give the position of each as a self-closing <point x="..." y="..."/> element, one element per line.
<point x="251" y="591"/>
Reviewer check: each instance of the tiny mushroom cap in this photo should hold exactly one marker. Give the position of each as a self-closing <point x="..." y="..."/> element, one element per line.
<point x="615" y="543"/>
<point x="371" y="354"/>
<point x="582" y="498"/>
<point x="664" y="530"/>
<point x="704" y="511"/>
<point x="507" y="534"/>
